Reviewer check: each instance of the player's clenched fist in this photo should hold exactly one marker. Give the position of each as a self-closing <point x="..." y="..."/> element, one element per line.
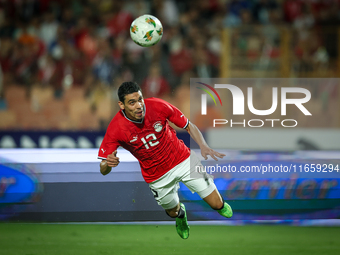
<point x="112" y="159"/>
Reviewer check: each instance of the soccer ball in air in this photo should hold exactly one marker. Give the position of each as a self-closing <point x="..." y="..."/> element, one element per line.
<point x="146" y="30"/>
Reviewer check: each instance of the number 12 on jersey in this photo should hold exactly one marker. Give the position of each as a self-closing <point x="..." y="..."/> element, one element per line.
<point x="152" y="142"/>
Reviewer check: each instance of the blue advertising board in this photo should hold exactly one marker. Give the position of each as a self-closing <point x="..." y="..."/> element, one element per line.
<point x="19" y="187"/>
<point x="289" y="186"/>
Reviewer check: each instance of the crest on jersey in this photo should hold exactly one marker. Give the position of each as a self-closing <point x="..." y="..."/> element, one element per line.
<point x="133" y="138"/>
<point x="158" y="126"/>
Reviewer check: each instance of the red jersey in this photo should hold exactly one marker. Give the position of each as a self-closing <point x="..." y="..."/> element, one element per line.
<point x="152" y="141"/>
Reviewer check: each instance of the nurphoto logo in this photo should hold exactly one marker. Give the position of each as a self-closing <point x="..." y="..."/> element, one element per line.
<point x="238" y="104"/>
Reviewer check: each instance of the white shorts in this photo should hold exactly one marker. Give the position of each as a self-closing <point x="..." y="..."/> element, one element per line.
<point x="165" y="188"/>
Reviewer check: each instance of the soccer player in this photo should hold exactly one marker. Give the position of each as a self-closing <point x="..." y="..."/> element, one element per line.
<point x="141" y="127"/>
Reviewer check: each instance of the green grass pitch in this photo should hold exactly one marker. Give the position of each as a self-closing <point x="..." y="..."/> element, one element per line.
<point x="74" y="239"/>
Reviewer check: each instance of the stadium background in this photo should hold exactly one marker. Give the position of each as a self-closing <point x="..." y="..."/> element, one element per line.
<point x="62" y="62"/>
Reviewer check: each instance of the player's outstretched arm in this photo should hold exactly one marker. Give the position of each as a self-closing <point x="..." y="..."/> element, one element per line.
<point x="111" y="161"/>
<point x="196" y="134"/>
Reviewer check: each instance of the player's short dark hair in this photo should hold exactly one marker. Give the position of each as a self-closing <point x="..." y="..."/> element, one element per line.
<point x="127" y="88"/>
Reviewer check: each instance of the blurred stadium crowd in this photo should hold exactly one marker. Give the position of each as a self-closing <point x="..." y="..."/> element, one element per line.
<point x="62" y="60"/>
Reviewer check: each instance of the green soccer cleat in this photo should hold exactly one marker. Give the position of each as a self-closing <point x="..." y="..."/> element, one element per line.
<point x="226" y="211"/>
<point x="182" y="226"/>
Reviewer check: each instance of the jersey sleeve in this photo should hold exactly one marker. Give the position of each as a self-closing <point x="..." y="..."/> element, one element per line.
<point x="175" y="115"/>
<point x="108" y="145"/>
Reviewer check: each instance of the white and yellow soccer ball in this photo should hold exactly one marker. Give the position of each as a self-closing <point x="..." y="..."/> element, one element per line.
<point x="146" y="30"/>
